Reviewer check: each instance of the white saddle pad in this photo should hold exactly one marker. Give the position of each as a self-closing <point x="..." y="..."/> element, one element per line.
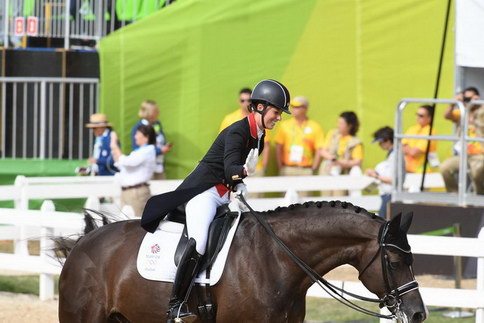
<point x="156" y="254"/>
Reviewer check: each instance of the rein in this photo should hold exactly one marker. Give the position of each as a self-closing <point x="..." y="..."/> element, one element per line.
<point x="392" y="297"/>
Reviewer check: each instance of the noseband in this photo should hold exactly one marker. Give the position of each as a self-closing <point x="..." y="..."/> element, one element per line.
<point x="391" y="299"/>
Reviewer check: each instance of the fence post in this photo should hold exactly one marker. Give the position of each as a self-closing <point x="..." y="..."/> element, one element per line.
<point x="93" y="203"/>
<point x="457" y="259"/>
<point x="43" y="118"/>
<point x="67" y="27"/>
<point x="6" y="16"/>
<point x="46" y="282"/>
<point x="21" y="203"/>
<point x="290" y="197"/>
<point x="480" y="280"/>
<point x="357" y="172"/>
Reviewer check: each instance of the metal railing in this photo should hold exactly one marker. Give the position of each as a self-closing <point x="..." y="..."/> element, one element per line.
<point x="45" y="117"/>
<point x="70" y="19"/>
<point x="462" y="198"/>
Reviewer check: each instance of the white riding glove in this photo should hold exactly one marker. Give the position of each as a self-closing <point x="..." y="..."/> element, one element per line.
<point x="237" y="205"/>
<point x="251" y="161"/>
<point x="241" y="189"/>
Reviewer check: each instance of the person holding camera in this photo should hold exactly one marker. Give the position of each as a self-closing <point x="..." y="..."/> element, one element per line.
<point x="136" y="169"/>
<point x="385" y="170"/>
<point x="475" y="150"/>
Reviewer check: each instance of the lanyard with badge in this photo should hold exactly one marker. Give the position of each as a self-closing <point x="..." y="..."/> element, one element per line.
<point x="296" y="152"/>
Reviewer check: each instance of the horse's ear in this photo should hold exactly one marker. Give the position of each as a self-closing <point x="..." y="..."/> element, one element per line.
<point x="394" y="225"/>
<point x="406" y="221"/>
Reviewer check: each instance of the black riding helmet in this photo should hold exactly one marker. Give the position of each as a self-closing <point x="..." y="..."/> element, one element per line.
<point x="270" y="92"/>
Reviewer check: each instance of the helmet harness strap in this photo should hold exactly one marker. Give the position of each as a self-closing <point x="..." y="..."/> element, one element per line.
<point x="262" y="113"/>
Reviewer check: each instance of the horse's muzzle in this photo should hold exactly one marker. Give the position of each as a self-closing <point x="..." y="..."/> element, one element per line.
<point x="419" y="317"/>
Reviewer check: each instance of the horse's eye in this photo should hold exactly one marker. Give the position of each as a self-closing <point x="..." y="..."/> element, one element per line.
<point x="394" y="265"/>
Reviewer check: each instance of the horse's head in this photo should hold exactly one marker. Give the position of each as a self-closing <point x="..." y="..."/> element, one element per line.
<point x="388" y="272"/>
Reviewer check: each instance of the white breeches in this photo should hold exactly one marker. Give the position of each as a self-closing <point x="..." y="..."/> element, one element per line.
<point x="200" y="212"/>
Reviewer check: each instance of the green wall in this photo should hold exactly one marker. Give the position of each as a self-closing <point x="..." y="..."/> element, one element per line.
<point x="193" y="56"/>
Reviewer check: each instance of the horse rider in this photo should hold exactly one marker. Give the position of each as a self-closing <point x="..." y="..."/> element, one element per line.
<point x="232" y="157"/>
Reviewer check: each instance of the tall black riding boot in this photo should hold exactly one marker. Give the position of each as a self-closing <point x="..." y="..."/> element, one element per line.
<point x="185" y="275"/>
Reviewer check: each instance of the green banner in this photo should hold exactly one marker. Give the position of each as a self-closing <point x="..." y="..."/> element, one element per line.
<point x="193" y="56"/>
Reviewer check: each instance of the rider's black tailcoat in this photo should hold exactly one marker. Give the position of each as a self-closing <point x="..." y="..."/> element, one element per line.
<point x="223" y="164"/>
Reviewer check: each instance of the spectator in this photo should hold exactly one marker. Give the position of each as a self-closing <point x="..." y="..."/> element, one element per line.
<point x="101" y="160"/>
<point x="385" y="170"/>
<point x="242" y="112"/>
<point x="297" y="142"/>
<point x="475" y="152"/>
<point x="136" y="169"/>
<point x="342" y="149"/>
<point x="149" y="113"/>
<point x="415" y="149"/>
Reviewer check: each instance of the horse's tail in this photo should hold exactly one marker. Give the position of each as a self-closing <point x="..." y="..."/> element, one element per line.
<point x="63" y="246"/>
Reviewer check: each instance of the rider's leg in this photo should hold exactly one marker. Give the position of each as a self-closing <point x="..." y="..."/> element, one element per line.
<point x="186" y="271"/>
<point x="200" y="212"/>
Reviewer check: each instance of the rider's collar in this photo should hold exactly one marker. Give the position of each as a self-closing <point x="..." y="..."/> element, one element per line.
<point x="255" y="132"/>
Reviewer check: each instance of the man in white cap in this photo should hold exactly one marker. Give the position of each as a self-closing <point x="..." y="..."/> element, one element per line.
<point x="101" y="160"/>
<point x="297" y="142"/>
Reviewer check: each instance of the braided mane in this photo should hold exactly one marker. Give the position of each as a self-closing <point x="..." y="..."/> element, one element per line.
<point x="325" y="204"/>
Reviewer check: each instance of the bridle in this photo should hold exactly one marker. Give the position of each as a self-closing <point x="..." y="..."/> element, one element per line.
<point x="392" y="298"/>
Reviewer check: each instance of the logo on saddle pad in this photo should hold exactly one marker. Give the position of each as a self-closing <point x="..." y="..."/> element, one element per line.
<point x="155" y="248"/>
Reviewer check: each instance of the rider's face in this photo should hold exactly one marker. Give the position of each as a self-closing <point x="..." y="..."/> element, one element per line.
<point x="271" y="117"/>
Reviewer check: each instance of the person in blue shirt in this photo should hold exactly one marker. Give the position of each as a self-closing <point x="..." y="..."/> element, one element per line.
<point x="149" y="112"/>
<point x="101" y="160"/>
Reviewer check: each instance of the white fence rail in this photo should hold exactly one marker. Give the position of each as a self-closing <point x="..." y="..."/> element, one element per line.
<point x="28" y="188"/>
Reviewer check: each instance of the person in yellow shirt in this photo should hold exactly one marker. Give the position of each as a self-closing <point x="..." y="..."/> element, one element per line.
<point x="475" y="151"/>
<point x="341" y="150"/>
<point x="415" y="149"/>
<point x="241" y="112"/>
<point x="297" y="142"/>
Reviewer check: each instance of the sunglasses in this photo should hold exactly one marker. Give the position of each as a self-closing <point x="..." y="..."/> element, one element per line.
<point x="420" y="115"/>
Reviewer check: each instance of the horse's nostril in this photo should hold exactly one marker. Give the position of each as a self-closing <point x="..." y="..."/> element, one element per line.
<point x="418" y="317"/>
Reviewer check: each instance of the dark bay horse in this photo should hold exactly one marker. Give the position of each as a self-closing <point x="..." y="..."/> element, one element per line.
<point x="260" y="283"/>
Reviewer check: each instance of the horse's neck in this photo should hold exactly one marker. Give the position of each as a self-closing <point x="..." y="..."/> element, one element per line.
<point x="325" y="242"/>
